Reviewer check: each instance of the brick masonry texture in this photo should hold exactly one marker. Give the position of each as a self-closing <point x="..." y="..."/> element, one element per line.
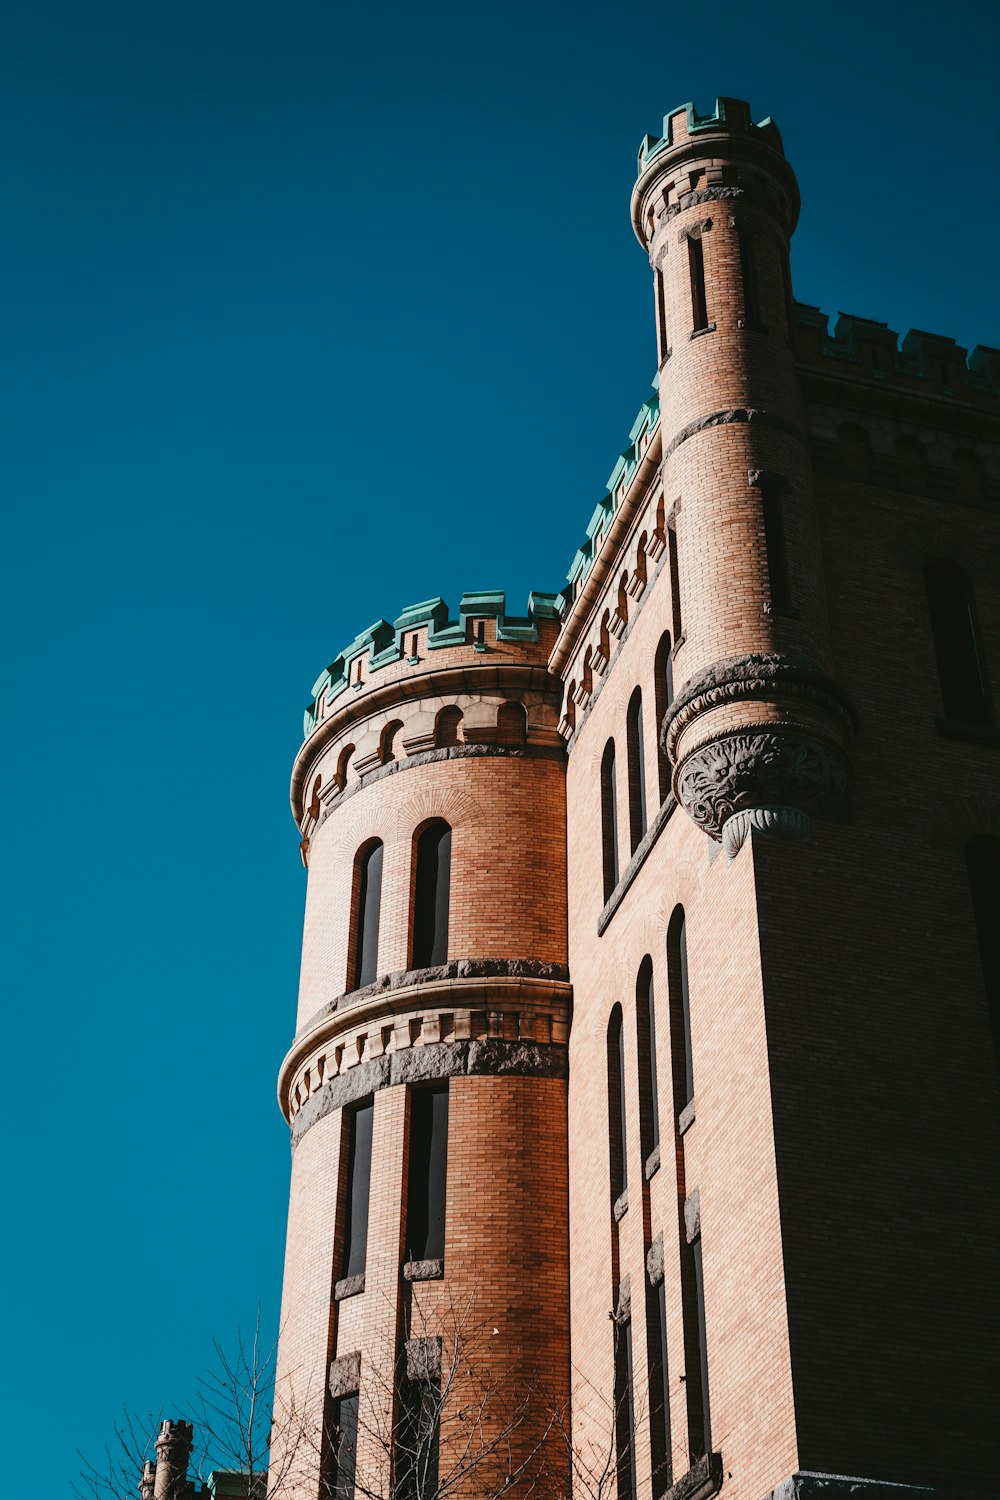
<point x="840" y="1156"/>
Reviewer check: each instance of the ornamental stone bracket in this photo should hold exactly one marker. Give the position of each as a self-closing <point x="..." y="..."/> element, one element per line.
<point x="758" y="743"/>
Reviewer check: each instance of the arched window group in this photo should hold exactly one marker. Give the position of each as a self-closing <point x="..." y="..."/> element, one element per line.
<point x="429" y="906"/>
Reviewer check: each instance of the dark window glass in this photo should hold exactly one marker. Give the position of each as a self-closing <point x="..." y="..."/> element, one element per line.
<point x="661" y="317"/>
<point x="358" y="1122"/>
<point x="957" y="646"/>
<point x="369" y="884"/>
<point x="649" y="1113"/>
<point x="344" y="1446"/>
<point x="779" y="582"/>
<point x="616" y="1106"/>
<point x="663" y="680"/>
<point x="675" y="583"/>
<point x="636" y="771"/>
<point x="680" y="1012"/>
<point x="983" y="859"/>
<point x="431" y="896"/>
<point x="700" y="1370"/>
<point x="428" y="1174"/>
<point x="609" y="819"/>
<point x="624" y="1413"/>
<point x="417" y="1440"/>
<point x="659" y="1397"/>
<point x="699" y="303"/>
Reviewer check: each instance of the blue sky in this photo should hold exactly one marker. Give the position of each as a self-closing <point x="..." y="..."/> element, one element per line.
<point x="309" y="311"/>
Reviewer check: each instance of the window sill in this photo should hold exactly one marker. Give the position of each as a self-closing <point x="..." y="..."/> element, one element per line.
<point x="348" y="1286"/>
<point x="701" y="1481"/>
<point x="423" y="1270"/>
<point x="959" y="729"/>
<point x="652" y="1163"/>
<point x="698" y="333"/>
<point x="686" y="1118"/>
<point x="620" y="1207"/>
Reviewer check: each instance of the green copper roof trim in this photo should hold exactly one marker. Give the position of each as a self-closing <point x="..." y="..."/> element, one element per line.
<point x="732" y="112"/>
<point x="383" y="642"/>
<point x="646" y="422"/>
<point x="915" y="355"/>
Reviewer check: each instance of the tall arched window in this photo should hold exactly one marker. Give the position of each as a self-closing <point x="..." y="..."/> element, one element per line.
<point x="982" y="858"/>
<point x="367" y="911"/>
<point x="388" y="740"/>
<point x="609" y="819"/>
<point x="431" y="894"/>
<point x="343" y="765"/>
<point x="682" y="1067"/>
<point x="960" y="664"/>
<point x="663" y="681"/>
<point x="617" y="1151"/>
<point x="636" y="771"/>
<point x="623" y="598"/>
<point x="645" y="1026"/>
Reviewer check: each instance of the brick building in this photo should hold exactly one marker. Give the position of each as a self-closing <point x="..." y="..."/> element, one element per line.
<point x="645" y="1067"/>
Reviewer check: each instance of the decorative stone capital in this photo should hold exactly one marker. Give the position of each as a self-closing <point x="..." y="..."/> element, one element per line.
<point x="778" y="775"/>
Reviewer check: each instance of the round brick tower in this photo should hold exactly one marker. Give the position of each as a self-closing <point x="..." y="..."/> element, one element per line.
<point x="427" y="1261"/>
<point x="756" y="734"/>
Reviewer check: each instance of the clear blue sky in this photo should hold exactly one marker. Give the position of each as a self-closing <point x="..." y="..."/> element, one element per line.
<point x="311" y="310"/>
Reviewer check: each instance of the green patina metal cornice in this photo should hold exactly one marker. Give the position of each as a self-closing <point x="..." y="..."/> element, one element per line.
<point x="645" y="423"/>
<point x="382" y="642"/>
<point x="731" y="114"/>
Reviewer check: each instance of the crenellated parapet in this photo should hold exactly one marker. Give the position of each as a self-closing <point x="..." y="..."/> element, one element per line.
<point x="926" y="363"/>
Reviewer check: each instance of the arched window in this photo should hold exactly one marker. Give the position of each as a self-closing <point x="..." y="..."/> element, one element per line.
<point x="431" y="894"/>
<point x="645" y="1026"/>
<point x="609" y="819"/>
<point x="663" y="683"/>
<point x="960" y="664"/>
<point x="367" y="910"/>
<point x="982" y="857"/>
<point x="588" y="672"/>
<point x="640" y="559"/>
<point x="387" y="741"/>
<point x="636" y="771"/>
<point x="314" y="806"/>
<point x="606" y="636"/>
<point x="448" y="726"/>
<point x="512" y="724"/>
<point x="623" y="598"/>
<point x="617" y="1151"/>
<point x="343" y="764"/>
<point x="682" y="1068"/>
<point x="570" y="708"/>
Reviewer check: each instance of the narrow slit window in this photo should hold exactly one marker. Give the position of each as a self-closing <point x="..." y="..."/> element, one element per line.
<point x="431" y="895"/>
<point x="609" y="819"/>
<point x="624" y="1414"/>
<point x="659" y="1389"/>
<point x="680" y="1012"/>
<point x="983" y="863"/>
<point x="661" y="316"/>
<point x="675" y="582"/>
<point x="663" y="680"/>
<point x="617" y="1141"/>
<point x="417" y="1440"/>
<point x="636" y="771"/>
<point x="367" y="913"/>
<point x="344" y="1446"/>
<point x="357" y="1187"/>
<point x="428" y="1174"/>
<point x="695" y="1351"/>
<point x="779" y="581"/>
<point x="696" y="265"/>
<point x="645" y="1016"/>
<point x="957" y="647"/>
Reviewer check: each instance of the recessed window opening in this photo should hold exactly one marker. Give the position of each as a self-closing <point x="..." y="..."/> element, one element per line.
<point x="961" y="668"/>
<point x="428" y="1174"/>
<point x="413" y="645"/>
<point x="779" y="582"/>
<point x="623" y="598"/>
<point x="387" y="741"/>
<point x="512" y="724"/>
<point x="680" y="1012"/>
<point x="431" y="895"/>
<point x="675" y="582"/>
<point x="448" y="726"/>
<point x="357" y="1186"/>
<point x="663" y="681"/>
<point x="661" y="316"/>
<point x="659" y="1389"/>
<point x="699" y="301"/>
<point x="605" y="636"/>
<point x="343" y="1448"/>
<point x="343" y="764"/>
<point x="617" y="1144"/>
<point x="624" y="1413"/>
<point x="357" y="670"/>
<point x="417" y="1440"/>
<point x="695" y="1350"/>
<point x="636" y="770"/>
<point x="481" y="632"/>
<point x="367" y="913"/>
<point x="645" y="1017"/>
<point x="609" y="819"/>
<point x="983" y="862"/>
